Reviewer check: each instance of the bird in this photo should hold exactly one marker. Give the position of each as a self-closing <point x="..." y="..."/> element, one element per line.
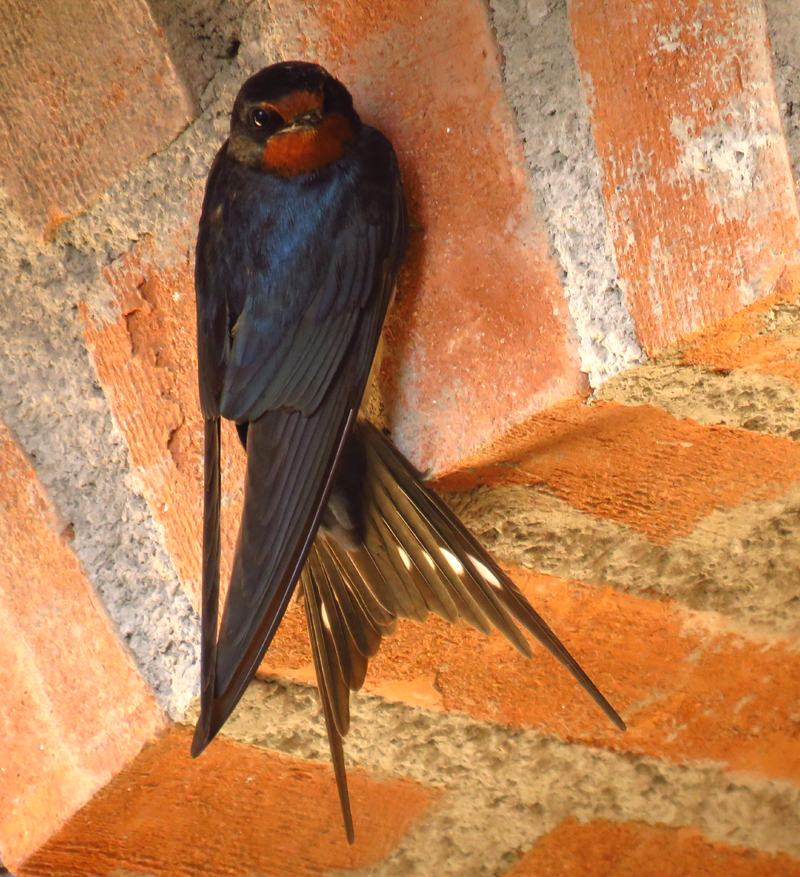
<point x="302" y="233"/>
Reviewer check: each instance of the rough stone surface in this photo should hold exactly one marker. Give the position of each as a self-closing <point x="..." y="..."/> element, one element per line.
<point x="696" y="179"/>
<point x="504" y="789"/>
<point x="742" y="562"/>
<point x="761" y="339"/>
<point x="210" y="816"/>
<point x="544" y="88"/>
<point x="749" y="400"/>
<point x="203" y="38"/>
<point x="688" y="687"/>
<point x="784" y="35"/>
<point x="52" y="401"/>
<point x="605" y="849"/>
<point x="75" y="709"/>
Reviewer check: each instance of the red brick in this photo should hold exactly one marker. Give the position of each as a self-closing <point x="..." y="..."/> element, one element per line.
<point x="478" y="339"/>
<point x="640" y="466"/>
<point x="75" y="709"/>
<point x="146" y="360"/>
<point x="699" y="227"/>
<point x="607" y="849"/>
<point x="87" y="91"/>
<point x="750" y="340"/>
<point x="234" y="812"/>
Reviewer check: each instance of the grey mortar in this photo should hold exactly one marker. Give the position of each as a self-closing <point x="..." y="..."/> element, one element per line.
<point x="746" y="400"/>
<point x="505" y="788"/>
<point x="543" y="85"/>
<point x="51" y="399"/>
<point x="203" y="36"/>
<point x="743" y="563"/>
<point x="783" y="21"/>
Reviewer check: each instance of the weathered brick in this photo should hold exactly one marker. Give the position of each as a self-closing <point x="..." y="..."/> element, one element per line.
<point x="478" y="338"/>
<point x="607" y="849"/>
<point x="687" y="688"/>
<point x="696" y="177"/>
<point x="75" y="709"/>
<point x="86" y="91"/>
<point x="640" y="466"/>
<point x="146" y="360"/>
<point x="764" y="337"/>
<point x="235" y="811"/>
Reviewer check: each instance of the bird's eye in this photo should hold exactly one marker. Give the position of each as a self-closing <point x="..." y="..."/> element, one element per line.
<point x="260" y="117"/>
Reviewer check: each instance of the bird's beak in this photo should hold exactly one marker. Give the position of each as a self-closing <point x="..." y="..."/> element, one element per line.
<point x="305" y="121"/>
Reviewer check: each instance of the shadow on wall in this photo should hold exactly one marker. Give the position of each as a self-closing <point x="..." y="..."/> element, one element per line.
<point x="202" y="36"/>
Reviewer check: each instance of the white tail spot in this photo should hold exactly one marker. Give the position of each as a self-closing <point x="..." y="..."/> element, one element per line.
<point x="404" y="557"/>
<point x="455" y="563"/>
<point x="484" y="570"/>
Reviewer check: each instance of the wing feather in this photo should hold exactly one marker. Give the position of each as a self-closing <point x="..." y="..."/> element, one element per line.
<point x="210" y="594"/>
<point x="329" y="688"/>
<point x="293" y="279"/>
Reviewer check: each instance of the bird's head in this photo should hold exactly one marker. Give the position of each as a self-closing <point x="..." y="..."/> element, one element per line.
<point x="292" y="119"/>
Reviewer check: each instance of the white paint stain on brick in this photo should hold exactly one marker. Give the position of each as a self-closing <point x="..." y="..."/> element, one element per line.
<point x="728" y="156"/>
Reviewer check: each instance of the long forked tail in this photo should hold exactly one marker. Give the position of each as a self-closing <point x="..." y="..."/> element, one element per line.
<point x="389" y="547"/>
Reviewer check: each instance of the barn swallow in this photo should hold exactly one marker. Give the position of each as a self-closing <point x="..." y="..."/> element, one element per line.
<point x="302" y="235"/>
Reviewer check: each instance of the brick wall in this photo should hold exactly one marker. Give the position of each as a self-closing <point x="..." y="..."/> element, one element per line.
<point x="595" y="351"/>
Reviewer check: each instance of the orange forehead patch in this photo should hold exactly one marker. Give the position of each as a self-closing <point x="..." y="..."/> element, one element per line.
<point x="296" y="103"/>
<point x="293" y="153"/>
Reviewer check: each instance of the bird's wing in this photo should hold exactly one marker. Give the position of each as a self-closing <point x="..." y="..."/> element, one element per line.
<point x="285" y="355"/>
<point x="304" y="321"/>
<point x="284" y="270"/>
<point x="298" y="262"/>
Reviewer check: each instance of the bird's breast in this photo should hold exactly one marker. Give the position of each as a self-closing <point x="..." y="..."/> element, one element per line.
<point x="296" y="153"/>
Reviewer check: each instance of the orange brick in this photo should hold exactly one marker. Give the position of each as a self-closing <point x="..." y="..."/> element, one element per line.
<point x="640" y="466"/>
<point x="478" y="339"/>
<point x="90" y="91"/>
<point x="607" y="849"/>
<point x="146" y="360"/>
<point x="74" y="707"/>
<point x="686" y="690"/>
<point x="236" y="811"/>
<point x="697" y="182"/>
<point x="753" y="339"/>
